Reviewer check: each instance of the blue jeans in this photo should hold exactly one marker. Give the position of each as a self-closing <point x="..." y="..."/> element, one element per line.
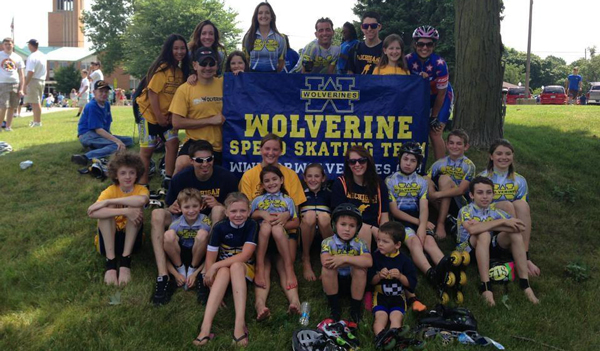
<point x="101" y="147"/>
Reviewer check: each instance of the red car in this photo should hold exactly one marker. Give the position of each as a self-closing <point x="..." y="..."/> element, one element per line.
<point x="553" y="95"/>
<point x="514" y="94"/>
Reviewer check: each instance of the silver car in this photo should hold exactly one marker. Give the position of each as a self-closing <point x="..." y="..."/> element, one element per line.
<point x="593" y="96"/>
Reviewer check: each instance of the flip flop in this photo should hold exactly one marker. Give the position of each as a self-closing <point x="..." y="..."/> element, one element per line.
<point x="198" y="341"/>
<point x="244" y="336"/>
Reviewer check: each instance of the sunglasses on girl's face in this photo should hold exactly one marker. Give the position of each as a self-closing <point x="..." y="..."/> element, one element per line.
<point x="421" y="44"/>
<point x="202" y="160"/>
<point x="366" y="26"/>
<point x="209" y="63"/>
<point x="353" y="161"/>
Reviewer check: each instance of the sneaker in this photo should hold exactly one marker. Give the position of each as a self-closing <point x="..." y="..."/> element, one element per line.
<point x="356" y="315"/>
<point x="162" y="294"/>
<point x="8" y="129"/>
<point x="80" y="160"/>
<point x="35" y="124"/>
<point x="202" y="290"/>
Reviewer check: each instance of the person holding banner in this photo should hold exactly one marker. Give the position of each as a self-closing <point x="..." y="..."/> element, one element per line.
<point x="271" y="147"/>
<point x="198" y="108"/>
<point x="361" y="186"/>
<point x="263" y="45"/>
<point x="424" y="62"/>
<point x="319" y="56"/>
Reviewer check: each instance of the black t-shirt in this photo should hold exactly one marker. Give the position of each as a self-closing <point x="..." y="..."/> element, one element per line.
<point x="397" y="260"/>
<point x="220" y="184"/>
<point x="364" y="59"/>
<point x="358" y="196"/>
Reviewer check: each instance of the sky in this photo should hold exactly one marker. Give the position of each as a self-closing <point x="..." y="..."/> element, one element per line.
<point x="560" y="28"/>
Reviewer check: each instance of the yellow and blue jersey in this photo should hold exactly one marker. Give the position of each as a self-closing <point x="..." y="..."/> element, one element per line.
<point x="508" y="188"/>
<point x="274" y="203"/>
<point x="474" y="212"/>
<point x="266" y="52"/>
<point x="228" y="239"/>
<point x="458" y="170"/>
<point x="406" y="190"/>
<point x="187" y="232"/>
<point x="336" y="246"/>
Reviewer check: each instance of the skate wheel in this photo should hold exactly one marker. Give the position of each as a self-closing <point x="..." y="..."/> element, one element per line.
<point x="463" y="278"/>
<point x="456" y="258"/>
<point x="451" y="280"/>
<point x="466" y="258"/>
<point x="445" y="298"/>
<point x="460" y="297"/>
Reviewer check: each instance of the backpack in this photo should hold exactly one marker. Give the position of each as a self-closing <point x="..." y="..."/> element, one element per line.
<point x="136" y="108"/>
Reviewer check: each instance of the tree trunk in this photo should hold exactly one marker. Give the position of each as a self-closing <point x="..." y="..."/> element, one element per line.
<point x="478" y="82"/>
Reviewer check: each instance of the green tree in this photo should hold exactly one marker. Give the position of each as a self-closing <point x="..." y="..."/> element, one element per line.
<point x="402" y="17"/>
<point x="514" y="74"/>
<point x="67" y="78"/>
<point x="104" y="25"/>
<point x="154" y="20"/>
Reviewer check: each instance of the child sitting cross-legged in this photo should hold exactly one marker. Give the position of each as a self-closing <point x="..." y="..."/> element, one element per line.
<point x="120" y="215"/>
<point x="490" y="231"/>
<point x="185" y="241"/>
<point x="392" y="274"/>
<point x="345" y="259"/>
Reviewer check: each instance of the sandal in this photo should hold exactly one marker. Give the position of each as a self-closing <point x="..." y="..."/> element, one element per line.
<point x="244" y="336"/>
<point x="199" y="341"/>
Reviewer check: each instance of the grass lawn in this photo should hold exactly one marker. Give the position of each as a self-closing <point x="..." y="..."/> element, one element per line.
<point x="52" y="296"/>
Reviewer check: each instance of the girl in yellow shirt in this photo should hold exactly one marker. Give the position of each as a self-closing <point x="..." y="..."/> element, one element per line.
<point x="392" y="59"/>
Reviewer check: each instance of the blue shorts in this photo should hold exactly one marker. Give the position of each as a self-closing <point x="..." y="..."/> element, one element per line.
<point x="447" y="106"/>
<point x="388" y="304"/>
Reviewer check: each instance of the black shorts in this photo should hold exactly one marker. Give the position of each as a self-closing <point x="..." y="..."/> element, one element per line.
<point x="185" y="151"/>
<point x="497" y="251"/>
<point x="388" y="304"/>
<point x="119" y="242"/>
<point x="158" y="130"/>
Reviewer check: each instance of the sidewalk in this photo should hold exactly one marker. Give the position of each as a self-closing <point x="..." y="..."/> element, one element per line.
<point x="45" y="111"/>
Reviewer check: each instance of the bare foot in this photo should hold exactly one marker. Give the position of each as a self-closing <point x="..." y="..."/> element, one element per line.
<point x="262" y="313"/>
<point x="259" y="280"/>
<point x="294" y="308"/>
<point x="531" y="296"/>
<point x="309" y="275"/>
<point x="292" y="281"/>
<point x="440" y="231"/>
<point x="488" y="296"/>
<point x="534" y="271"/>
<point x="124" y="276"/>
<point x="110" y="277"/>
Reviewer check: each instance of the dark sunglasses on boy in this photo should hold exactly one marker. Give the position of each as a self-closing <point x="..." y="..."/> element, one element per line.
<point x="202" y="160"/>
<point x="366" y="26"/>
<point x="421" y="44"/>
<point x="353" y="161"/>
<point x="210" y="63"/>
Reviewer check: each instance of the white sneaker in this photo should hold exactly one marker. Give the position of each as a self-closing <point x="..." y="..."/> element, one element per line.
<point x="35" y="124"/>
<point x="8" y="129"/>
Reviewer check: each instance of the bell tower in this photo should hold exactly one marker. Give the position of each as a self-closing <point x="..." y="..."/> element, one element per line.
<point x="64" y="24"/>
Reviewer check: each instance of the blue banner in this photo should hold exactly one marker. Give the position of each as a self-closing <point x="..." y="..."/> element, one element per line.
<point x="320" y="116"/>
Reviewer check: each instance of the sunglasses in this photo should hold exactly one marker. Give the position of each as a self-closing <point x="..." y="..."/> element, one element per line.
<point x="202" y="160"/>
<point x="353" y="161"/>
<point x="366" y="26"/>
<point x="209" y="63"/>
<point x="421" y="44"/>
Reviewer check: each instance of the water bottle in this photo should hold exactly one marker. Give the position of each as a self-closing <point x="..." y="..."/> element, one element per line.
<point x="305" y="314"/>
<point x="26" y="164"/>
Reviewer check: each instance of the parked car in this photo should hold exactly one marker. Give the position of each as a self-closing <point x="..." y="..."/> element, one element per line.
<point x="516" y="93"/>
<point x="593" y="96"/>
<point x="553" y="95"/>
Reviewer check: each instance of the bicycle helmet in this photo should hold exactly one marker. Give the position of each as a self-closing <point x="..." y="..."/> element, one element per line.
<point x="347" y="209"/>
<point x="308" y="340"/>
<point x="5" y="148"/>
<point x="427" y="32"/>
<point x="413" y="149"/>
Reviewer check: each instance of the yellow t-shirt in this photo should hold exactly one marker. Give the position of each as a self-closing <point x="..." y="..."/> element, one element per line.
<point x="388" y="70"/>
<point x="197" y="102"/>
<point x="250" y="184"/>
<point x="114" y="192"/>
<point x="164" y="84"/>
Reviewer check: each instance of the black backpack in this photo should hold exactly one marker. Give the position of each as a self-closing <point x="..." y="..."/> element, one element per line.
<point x="136" y="108"/>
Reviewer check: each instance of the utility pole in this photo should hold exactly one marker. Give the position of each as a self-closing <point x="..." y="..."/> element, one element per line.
<point x="528" y="50"/>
